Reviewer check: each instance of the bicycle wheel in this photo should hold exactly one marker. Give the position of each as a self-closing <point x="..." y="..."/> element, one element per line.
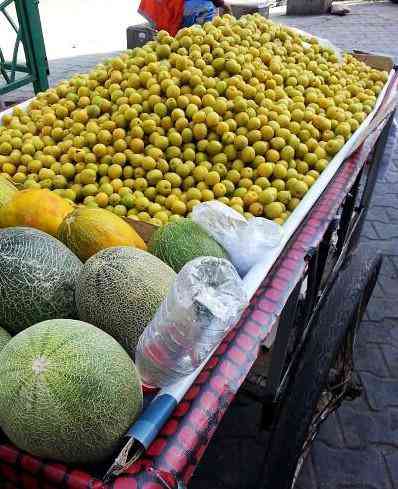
<point x="324" y="370"/>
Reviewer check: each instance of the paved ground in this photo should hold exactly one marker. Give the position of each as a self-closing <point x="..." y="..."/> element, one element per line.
<point x="80" y="27"/>
<point x="358" y="447"/>
<point x="78" y="35"/>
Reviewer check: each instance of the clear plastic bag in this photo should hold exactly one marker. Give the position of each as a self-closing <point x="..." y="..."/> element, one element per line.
<point x="245" y="241"/>
<point x="205" y="302"/>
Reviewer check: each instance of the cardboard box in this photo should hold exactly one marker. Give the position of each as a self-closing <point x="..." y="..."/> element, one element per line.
<point x="378" y="61"/>
<point x="144" y="229"/>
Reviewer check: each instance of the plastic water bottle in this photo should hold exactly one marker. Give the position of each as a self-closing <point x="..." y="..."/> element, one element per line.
<point x="205" y="302"/>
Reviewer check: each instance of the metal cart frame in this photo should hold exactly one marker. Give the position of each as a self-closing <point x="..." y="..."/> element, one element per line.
<point x="345" y="228"/>
<point x="29" y="33"/>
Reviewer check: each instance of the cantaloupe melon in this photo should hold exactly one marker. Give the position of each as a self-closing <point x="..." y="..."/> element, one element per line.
<point x="87" y="231"/>
<point x="179" y="242"/>
<point x="68" y="391"/>
<point x="37" y="278"/>
<point x="119" y="291"/>
<point x="4" y="338"/>
<point x="36" y="208"/>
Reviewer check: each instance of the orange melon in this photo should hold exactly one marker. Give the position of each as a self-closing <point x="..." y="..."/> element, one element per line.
<point x="37" y="208"/>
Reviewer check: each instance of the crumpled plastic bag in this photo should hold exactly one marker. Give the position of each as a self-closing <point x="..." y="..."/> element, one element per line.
<point x="245" y="241"/>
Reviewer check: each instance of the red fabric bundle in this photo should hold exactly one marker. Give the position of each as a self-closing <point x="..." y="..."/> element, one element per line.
<point x="164" y="14"/>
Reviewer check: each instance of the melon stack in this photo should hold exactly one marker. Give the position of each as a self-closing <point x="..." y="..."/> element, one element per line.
<point x="68" y="390"/>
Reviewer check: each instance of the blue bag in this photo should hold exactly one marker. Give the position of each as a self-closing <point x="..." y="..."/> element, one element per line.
<point x="198" y="12"/>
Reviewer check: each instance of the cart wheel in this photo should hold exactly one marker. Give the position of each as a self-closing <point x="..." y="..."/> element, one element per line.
<point x="323" y="377"/>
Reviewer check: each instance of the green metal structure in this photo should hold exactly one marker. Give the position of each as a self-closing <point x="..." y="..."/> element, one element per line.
<point x="29" y="35"/>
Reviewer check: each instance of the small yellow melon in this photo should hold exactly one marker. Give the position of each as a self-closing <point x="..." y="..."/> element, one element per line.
<point x="89" y="230"/>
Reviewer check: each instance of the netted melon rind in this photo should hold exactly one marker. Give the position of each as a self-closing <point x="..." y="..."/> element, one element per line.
<point x="180" y="242"/>
<point x="37" y="279"/>
<point x="68" y="391"/>
<point x="120" y="290"/>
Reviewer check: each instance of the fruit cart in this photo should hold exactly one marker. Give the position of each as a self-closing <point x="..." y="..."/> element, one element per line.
<point x="307" y="301"/>
<point x="315" y="296"/>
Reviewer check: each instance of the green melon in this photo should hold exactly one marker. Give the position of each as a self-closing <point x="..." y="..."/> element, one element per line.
<point x="68" y="391"/>
<point x="179" y="242"/>
<point x="37" y="279"/>
<point x="4" y="338"/>
<point x="120" y="290"/>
